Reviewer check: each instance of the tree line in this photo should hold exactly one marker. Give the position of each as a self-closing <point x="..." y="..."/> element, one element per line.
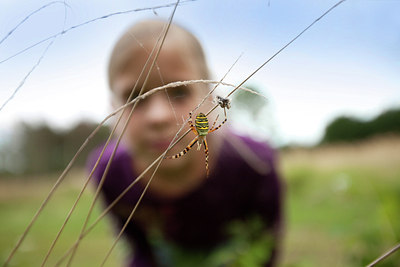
<point x="38" y="149"/>
<point x="348" y="129"/>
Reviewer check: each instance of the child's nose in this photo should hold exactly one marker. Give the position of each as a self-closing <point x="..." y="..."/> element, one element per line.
<point x="160" y="109"/>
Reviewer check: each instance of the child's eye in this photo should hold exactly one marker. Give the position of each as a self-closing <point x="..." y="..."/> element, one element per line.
<point x="178" y="93"/>
<point x="134" y="95"/>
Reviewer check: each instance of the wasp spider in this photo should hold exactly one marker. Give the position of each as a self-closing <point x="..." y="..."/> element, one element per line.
<point x="201" y="129"/>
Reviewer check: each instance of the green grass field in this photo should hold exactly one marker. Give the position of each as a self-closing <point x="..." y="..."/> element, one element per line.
<point x="19" y="200"/>
<point x="342" y="209"/>
<point x="343" y="204"/>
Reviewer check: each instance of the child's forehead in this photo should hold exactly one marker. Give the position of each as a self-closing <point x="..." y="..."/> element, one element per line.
<point x="134" y="48"/>
<point x="176" y="45"/>
<point x="173" y="56"/>
<point x="173" y="64"/>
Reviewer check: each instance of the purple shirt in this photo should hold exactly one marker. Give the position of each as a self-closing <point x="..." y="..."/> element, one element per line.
<point x="197" y="221"/>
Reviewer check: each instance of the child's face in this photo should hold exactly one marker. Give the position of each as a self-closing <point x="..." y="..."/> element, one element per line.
<point x="157" y="118"/>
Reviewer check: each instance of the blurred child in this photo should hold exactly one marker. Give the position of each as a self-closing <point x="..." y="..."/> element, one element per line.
<point x="185" y="217"/>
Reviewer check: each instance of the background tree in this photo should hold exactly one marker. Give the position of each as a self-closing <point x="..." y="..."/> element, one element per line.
<point x="345" y="129"/>
<point x="38" y="149"/>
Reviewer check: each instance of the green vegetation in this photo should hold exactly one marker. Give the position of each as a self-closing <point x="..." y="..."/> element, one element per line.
<point x="20" y="199"/>
<point x="352" y="129"/>
<point x="342" y="209"/>
<point x="343" y="204"/>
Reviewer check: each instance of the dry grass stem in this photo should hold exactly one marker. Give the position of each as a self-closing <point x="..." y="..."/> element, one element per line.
<point x="30" y="15"/>
<point x="252" y="159"/>
<point x="164" y="34"/>
<point x="88" y="22"/>
<point x="385" y="255"/>
<point x="237" y="87"/>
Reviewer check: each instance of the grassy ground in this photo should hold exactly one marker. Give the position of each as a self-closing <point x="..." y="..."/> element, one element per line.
<point x="342" y="209"/>
<point x="343" y="203"/>
<point x="19" y="200"/>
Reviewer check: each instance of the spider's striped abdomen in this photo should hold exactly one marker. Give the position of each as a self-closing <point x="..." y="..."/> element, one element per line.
<point x="201" y="124"/>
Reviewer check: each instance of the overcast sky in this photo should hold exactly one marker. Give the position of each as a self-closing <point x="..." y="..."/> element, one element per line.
<point x="347" y="64"/>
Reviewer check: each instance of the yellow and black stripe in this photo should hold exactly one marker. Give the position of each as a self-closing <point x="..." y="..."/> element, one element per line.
<point x="206" y="152"/>
<point x="180" y="154"/>
<point x="201" y="124"/>
<point x="219" y="126"/>
<point x="201" y="128"/>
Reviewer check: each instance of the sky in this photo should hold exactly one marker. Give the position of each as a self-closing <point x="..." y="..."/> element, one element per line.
<point x="348" y="63"/>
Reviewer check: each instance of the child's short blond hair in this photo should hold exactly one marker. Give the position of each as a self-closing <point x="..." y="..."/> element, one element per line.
<point x="148" y="32"/>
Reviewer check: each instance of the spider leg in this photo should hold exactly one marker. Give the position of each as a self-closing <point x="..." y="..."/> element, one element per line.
<point x="206" y="152"/>
<point x="180" y="154"/>
<point x="212" y="127"/>
<point x="190" y="121"/>
<point x="219" y="126"/>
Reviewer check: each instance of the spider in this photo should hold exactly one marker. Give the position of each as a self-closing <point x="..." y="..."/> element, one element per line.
<point x="201" y="129"/>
